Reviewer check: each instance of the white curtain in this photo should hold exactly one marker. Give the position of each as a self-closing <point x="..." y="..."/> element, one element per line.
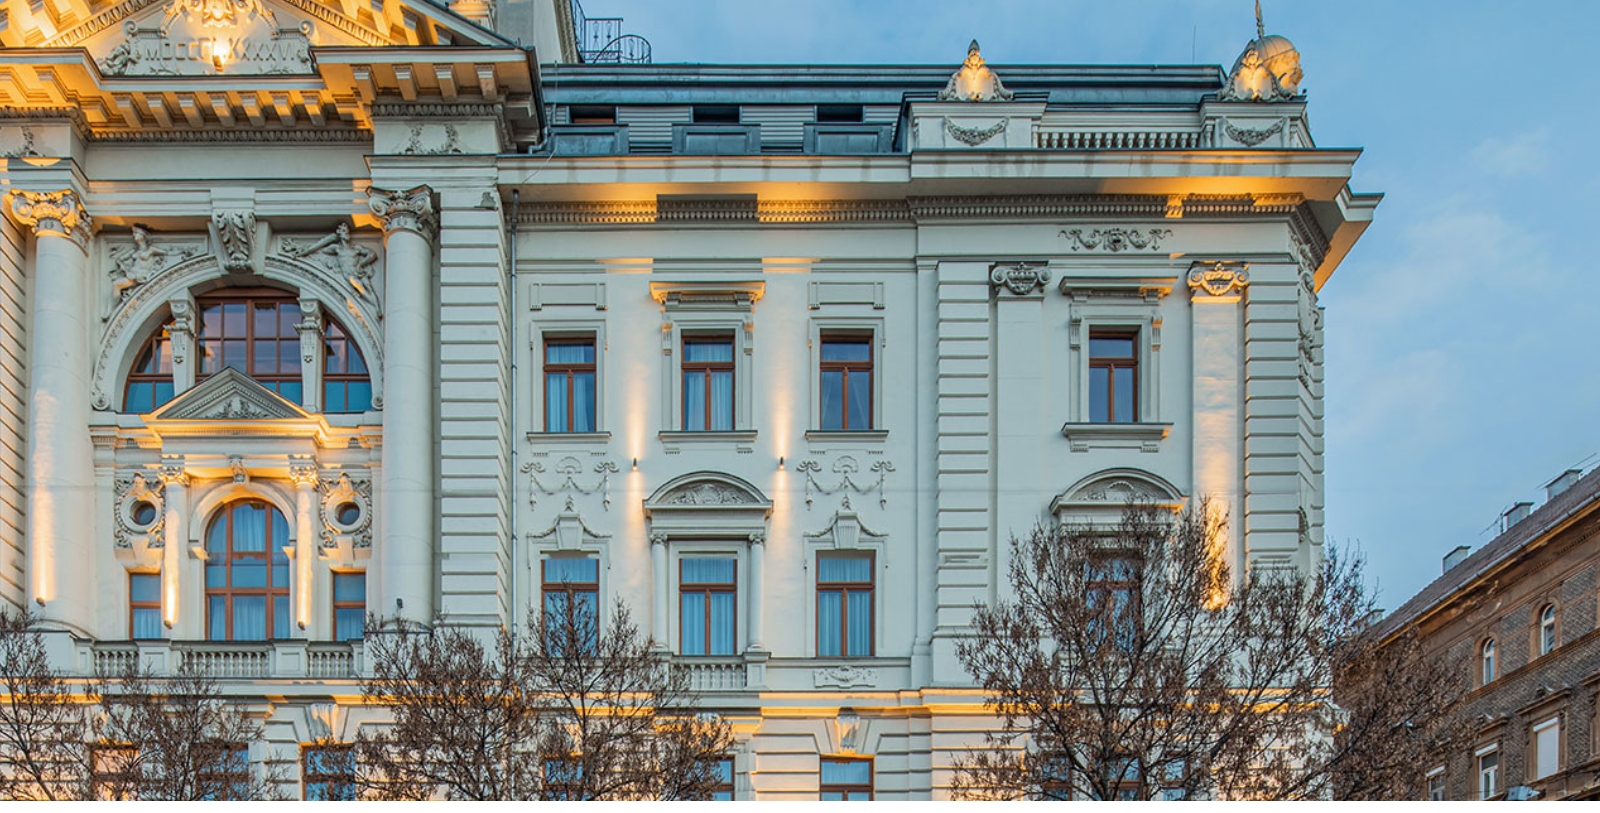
<point x="722" y="401"/>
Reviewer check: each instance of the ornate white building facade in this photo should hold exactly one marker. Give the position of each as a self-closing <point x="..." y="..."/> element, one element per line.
<point x="313" y="309"/>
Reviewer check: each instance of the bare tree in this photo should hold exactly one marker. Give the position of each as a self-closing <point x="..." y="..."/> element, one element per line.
<point x="1131" y="664"/>
<point x="174" y="738"/>
<point x="565" y="712"/>
<point x="42" y="753"/>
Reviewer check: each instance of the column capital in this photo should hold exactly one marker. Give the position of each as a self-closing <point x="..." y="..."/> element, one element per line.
<point x="173" y="472"/>
<point x="410" y="210"/>
<point x="303" y="471"/>
<point x="58" y="213"/>
<point x="1216" y="280"/>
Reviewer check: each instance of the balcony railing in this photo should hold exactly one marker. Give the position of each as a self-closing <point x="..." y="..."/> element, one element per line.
<point x="714" y="674"/>
<point x="228" y="660"/>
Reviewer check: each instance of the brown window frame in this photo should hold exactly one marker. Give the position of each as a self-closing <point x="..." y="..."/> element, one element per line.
<point x="546" y="587"/>
<point x="333" y="332"/>
<point x="251" y="298"/>
<point x="224" y="780"/>
<point x="1111" y="364"/>
<point x="708" y="367"/>
<point x="1108" y="587"/>
<point x="727" y="787"/>
<point x="570" y="368"/>
<point x="706" y="589"/>
<point x="142" y="605"/>
<point x="845" y="589"/>
<point x="151" y="349"/>
<point x="272" y="592"/>
<point x="117" y="782"/>
<point x="333" y="593"/>
<point x="867" y="368"/>
<point x="310" y="777"/>
<point x="847" y="789"/>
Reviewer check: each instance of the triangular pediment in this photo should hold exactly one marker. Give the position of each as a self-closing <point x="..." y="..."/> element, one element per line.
<point x="229" y="396"/>
<point x="233" y="37"/>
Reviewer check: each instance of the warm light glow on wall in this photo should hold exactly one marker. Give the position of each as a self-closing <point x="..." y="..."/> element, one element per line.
<point x="169" y="603"/>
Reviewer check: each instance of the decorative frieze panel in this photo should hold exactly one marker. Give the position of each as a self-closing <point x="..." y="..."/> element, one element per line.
<point x="1218" y="278"/>
<point x="845" y="466"/>
<point x="844" y="676"/>
<point x="563" y="478"/>
<point x="1116" y="239"/>
<point x="1021" y="279"/>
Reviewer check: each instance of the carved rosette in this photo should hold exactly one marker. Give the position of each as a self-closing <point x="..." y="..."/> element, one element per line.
<point x="1019" y="278"/>
<point x="1218" y="279"/>
<point x="347" y="511"/>
<point x="140" y="510"/>
<point x="53" y="213"/>
<point x="411" y="210"/>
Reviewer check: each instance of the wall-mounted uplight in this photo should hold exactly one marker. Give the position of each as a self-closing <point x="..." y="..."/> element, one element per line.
<point x="636" y="464"/>
<point x="780" y="462"/>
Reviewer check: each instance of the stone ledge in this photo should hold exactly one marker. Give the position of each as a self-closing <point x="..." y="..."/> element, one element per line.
<point x="1145" y="437"/>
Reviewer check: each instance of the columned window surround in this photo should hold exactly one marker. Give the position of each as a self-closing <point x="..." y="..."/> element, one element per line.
<point x="708" y="515"/>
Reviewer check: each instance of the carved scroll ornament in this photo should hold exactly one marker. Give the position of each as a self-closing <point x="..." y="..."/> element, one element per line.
<point x="1020" y="278"/>
<point x="1218" y="279"/>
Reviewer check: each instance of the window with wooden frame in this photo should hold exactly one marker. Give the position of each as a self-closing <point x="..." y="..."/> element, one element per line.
<point x="1055" y="777"/>
<point x="1111" y="584"/>
<point x="845" y="780"/>
<point x="254" y="331"/>
<point x="708" y="394"/>
<point x="846" y="381"/>
<point x="1547" y="629"/>
<point x="723" y="770"/>
<point x="569" y="384"/>
<point x="844" y="605"/>
<point x="225" y="776"/>
<point x="113" y="772"/>
<point x="349" y="606"/>
<point x="247" y="573"/>
<point x="346" y="383"/>
<point x="328" y="773"/>
<point x="150" y="380"/>
<point x="707" y="597"/>
<point x="563" y="780"/>
<point x="144" y="606"/>
<point x="1123" y="777"/>
<point x="571" y="593"/>
<point x="1113" y="376"/>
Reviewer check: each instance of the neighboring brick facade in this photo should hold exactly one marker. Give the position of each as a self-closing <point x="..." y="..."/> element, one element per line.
<point x="1550" y="558"/>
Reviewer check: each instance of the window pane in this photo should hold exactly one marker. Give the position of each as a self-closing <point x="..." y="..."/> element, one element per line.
<point x="1099" y="387"/>
<point x="249" y="618"/>
<point x="722" y="622"/>
<point x="1124" y="392"/>
<point x="830" y="620"/>
<point x="233" y="354"/>
<point x="347" y="625"/>
<point x="583" y="402"/>
<point x="722" y="401"/>
<point x="292" y="391"/>
<point x="333" y="396"/>
<point x="211" y="321"/>
<point x="854" y="772"/>
<point x="1111" y="346"/>
<point x="349" y="587"/>
<point x="699" y="570"/>
<point x="358" y="396"/>
<point x="832" y="399"/>
<point x="249" y="528"/>
<point x="694" y="400"/>
<point x="860" y="385"/>
<point x="693" y="620"/>
<point x="846" y="350"/>
<point x="266" y="353"/>
<point x="571" y="570"/>
<point x="708" y="351"/>
<point x="844" y="569"/>
<point x="144" y="587"/>
<point x="859" y="602"/>
<point x="163" y="393"/>
<point x="141" y="397"/>
<point x="146" y="623"/>
<point x="233" y="319"/>
<point x="555" y="402"/>
<point x="289" y="356"/>
<point x="266" y="319"/>
<point x="217" y="622"/>
<point x="280" y="617"/>
<point x="569" y="353"/>
<point x="250" y="574"/>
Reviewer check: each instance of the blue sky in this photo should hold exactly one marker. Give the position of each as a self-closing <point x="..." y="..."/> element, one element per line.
<point x="1462" y="346"/>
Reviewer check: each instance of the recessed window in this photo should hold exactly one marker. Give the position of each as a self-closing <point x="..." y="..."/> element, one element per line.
<point x="707" y="591"/>
<point x="346" y="384"/>
<point x="571" y="590"/>
<point x="144" y="606"/>
<point x="1488" y="774"/>
<point x="592" y="114"/>
<point x="839" y="113"/>
<point x="708" y="383"/>
<point x="247" y="573"/>
<point x="846" y="381"/>
<point x="716" y="114"/>
<point x="1547" y="748"/>
<point x="150" y="380"/>
<point x="1112" y="584"/>
<point x="846" y="780"/>
<point x="327" y="773"/>
<point x="1113" y="377"/>
<point x="844" y="605"/>
<point x="569" y="383"/>
<point x="226" y="776"/>
<point x="1486" y="662"/>
<point x="349" y="606"/>
<point x="1547" y="629"/>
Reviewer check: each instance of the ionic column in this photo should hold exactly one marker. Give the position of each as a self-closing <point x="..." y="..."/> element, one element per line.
<point x="1218" y="347"/>
<point x="758" y="563"/>
<point x="658" y="595"/>
<point x="174" y="535"/>
<point x="407" y="547"/>
<point x="303" y="471"/>
<point x="60" y="458"/>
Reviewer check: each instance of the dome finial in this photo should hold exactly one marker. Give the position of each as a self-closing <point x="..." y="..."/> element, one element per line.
<point x="1261" y="30"/>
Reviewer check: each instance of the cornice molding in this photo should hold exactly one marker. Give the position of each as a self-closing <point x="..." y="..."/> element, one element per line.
<point x="250" y="135"/>
<point x="438" y="109"/>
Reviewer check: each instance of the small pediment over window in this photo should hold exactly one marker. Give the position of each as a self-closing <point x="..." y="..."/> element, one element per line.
<point x="708" y="503"/>
<point x="1103" y="495"/>
<point x="230" y="396"/>
<point x="736" y="296"/>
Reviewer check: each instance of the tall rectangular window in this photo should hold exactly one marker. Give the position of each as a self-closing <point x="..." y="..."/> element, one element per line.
<point x="708" y="383"/>
<point x="571" y="589"/>
<point x="723" y="792"/>
<point x="1488" y="774"/>
<point x="846" y="780"/>
<point x="846" y="381"/>
<point x="144" y="606"/>
<point x="113" y="772"/>
<point x="707" y="589"/>
<point x="226" y="775"/>
<point x="1547" y="748"/>
<point x="844" y="605"/>
<point x="1113" y="376"/>
<point x="327" y="773"/>
<point x="569" y="371"/>
<point x="349" y="605"/>
<point x="1112" y="584"/>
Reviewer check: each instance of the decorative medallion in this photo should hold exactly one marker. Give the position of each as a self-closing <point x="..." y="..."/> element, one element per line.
<point x="216" y="13"/>
<point x="141" y="510"/>
<point x="346" y="511"/>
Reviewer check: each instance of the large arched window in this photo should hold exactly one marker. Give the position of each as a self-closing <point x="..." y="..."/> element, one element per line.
<point x="247" y="573"/>
<point x="255" y="331"/>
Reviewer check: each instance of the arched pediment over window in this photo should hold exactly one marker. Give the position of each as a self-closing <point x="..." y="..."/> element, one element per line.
<point x="1100" y="497"/>
<point x="707" y="503"/>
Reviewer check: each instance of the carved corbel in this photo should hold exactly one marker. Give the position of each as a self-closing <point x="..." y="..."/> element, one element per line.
<point x="235" y="231"/>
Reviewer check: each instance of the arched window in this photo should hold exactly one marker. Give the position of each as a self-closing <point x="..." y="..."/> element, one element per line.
<point x="1547" y="629"/>
<point x="150" y="380"/>
<point x="255" y="331"/>
<point x="247" y="573"/>
<point x="1486" y="654"/>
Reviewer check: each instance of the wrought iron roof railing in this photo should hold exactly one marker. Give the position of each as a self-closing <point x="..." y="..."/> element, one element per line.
<point x="601" y="40"/>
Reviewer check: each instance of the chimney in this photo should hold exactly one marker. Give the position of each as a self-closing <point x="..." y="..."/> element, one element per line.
<point x="1562" y="483"/>
<point x="1456" y="557"/>
<point x="1515" y="514"/>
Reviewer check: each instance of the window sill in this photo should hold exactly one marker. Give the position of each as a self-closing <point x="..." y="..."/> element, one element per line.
<point x="847" y="435"/>
<point x="1145" y="437"/>
<point x="744" y="440"/>
<point x="569" y="437"/>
